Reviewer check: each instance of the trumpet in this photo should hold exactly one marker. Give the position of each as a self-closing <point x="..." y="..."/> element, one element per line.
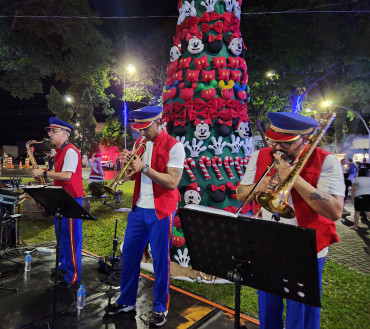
<point x="277" y="200"/>
<point x="123" y="175"/>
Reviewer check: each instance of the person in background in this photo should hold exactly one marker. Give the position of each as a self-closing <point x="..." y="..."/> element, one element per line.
<point x="361" y="195"/>
<point x="96" y="172"/>
<point x="317" y="197"/>
<point x="118" y="163"/>
<point x="154" y="205"/>
<point x="346" y="182"/>
<point x="352" y="170"/>
<point x="67" y="174"/>
<point x="50" y="161"/>
<point x="364" y="164"/>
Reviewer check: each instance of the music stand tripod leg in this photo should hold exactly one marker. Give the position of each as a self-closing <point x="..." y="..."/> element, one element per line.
<point x="236" y="277"/>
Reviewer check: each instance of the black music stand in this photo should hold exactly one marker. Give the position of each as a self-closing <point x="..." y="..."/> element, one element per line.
<point x="56" y="200"/>
<point x="277" y="258"/>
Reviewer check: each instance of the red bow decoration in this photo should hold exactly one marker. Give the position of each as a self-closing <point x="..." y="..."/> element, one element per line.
<point x="227" y="123"/>
<point x="191" y="35"/>
<point x="192" y="30"/>
<point x="213" y="38"/>
<point x="233" y="104"/>
<point x="225" y="17"/>
<point x="205" y="18"/>
<point x="243" y="117"/>
<point x="181" y="115"/>
<point x="167" y="108"/>
<point x="184" y="25"/>
<point x="215" y="188"/>
<point x="188" y="105"/>
<point x="199" y="104"/>
<point x="203" y="113"/>
<point x="193" y="21"/>
<point x="217" y="27"/>
<point x="177" y="107"/>
<point x="179" y="123"/>
<point x="198" y="121"/>
<point x="192" y="115"/>
<point x="227" y="114"/>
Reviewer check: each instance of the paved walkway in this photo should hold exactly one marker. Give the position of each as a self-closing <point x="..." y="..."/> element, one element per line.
<point x="353" y="248"/>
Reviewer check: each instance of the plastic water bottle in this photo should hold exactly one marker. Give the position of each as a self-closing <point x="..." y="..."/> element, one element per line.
<point x="27" y="262"/>
<point x="81" y="294"/>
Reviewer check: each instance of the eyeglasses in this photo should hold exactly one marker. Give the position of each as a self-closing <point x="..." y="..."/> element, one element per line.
<point x="54" y="131"/>
<point x="283" y="145"/>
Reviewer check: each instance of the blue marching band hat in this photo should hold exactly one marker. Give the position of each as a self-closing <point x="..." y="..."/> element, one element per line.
<point x="55" y="123"/>
<point x="145" y="116"/>
<point x="288" y="126"/>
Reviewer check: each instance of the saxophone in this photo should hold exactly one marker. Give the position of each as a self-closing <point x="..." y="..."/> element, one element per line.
<point x="40" y="180"/>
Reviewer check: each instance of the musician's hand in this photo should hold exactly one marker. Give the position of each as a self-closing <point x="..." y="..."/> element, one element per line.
<point x="136" y="165"/>
<point x="125" y="154"/>
<point x="37" y="172"/>
<point x="282" y="167"/>
<point x="268" y="184"/>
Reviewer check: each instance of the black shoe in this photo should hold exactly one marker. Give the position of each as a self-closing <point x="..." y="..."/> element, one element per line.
<point x="63" y="284"/>
<point x="158" y="319"/>
<point x="61" y="273"/>
<point x="114" y="309"/>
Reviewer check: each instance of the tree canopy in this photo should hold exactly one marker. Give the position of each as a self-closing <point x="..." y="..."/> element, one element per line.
<point x="68" y="50"/>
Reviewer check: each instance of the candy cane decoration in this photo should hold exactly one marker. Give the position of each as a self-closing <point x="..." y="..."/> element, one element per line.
<point x="189" y="163"/>
<point x="246" y="161"/>
<point x="203" y="162"/>
<point x="228" y="161"/>
<point x="238" y="160"/>
<point x="216" y="162"/>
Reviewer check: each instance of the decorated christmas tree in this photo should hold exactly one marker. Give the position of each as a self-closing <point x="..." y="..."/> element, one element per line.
<point x="205" y="106"/>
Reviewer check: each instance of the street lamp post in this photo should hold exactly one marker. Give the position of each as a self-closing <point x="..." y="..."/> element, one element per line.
<point x="130" y="69"/>
<point x="355" y="113"/>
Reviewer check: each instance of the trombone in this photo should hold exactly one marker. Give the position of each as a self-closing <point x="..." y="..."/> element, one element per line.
<point x="277" y="200"/>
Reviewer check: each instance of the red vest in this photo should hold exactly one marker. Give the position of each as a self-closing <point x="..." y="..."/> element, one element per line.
<point x="165" y="200"/>
<point x="74" y="185"/>
<point x="306" y="216"/>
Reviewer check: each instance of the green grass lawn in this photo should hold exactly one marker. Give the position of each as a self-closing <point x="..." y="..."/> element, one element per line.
<point x="345" y="298"/>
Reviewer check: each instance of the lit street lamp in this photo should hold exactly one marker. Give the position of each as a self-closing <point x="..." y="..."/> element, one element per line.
<point x="330" y="103"/>
<point x="130" y="69"/>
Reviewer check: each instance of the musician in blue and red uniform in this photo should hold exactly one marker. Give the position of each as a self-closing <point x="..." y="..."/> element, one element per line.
<point x="154" y="204"/>
<point x="68" y="174"/>
<point x="317" y="197"/>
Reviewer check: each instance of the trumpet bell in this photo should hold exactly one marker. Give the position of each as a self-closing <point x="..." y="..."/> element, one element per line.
<point x="274" y="203"/>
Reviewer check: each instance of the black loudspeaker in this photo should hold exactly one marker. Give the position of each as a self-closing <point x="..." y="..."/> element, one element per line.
<point x="8" y="233"/>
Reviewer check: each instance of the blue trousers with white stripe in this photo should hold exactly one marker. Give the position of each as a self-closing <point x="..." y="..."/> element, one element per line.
<point x="70" y="247"/>
<point x="298" y="315"/>
<point x="143" y="225"/>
